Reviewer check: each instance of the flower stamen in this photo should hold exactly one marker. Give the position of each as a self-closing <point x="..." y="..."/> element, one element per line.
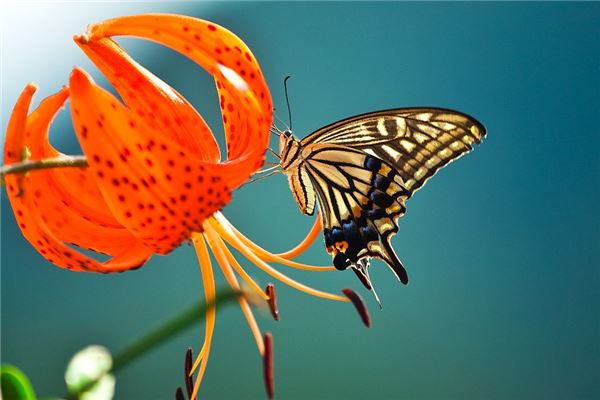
<point x="209" y="294"/>
<point x="268" y="256"/>
<point x="243" y="274"/>
<point x="268" y="365"/>
<point x="360" y="306"/>
<point x="217" y="246"/>
<point x="314" y="232"/>
<point x="270" y="291"/>
<point x="225" y="230"/>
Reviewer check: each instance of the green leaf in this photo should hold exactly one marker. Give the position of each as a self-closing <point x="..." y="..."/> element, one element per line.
<point x="88" y="374"/>
<point x="14" y="384"/>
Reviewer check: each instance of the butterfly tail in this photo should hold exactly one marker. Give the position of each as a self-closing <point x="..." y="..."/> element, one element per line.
<point x="361" y="269"/>
<point x="395" y="264"/>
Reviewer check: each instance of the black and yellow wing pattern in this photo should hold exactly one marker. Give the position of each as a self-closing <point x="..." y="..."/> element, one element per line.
<point x="363" y="169"/>
<point x="416" y="141"/>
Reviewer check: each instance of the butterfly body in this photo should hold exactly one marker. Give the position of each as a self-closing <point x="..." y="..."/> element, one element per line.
<point x="361" y="171"/>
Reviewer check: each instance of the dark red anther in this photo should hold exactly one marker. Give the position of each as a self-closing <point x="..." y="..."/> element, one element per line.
<point x="268" y="365"/>
<point x="360" y="306"/>
<point x="189" y="379"/>
<point x="270" y="291"/>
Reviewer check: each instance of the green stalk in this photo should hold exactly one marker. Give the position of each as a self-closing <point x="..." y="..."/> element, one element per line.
<point x="170" y="329"/>
<point x="158" y="336"/>
<point x="29" y="165"/>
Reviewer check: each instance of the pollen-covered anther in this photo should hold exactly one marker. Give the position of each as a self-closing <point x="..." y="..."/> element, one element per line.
<point x="272" y="301"/>
<point x="360" y="306"/>
<point x="268" y="365"/>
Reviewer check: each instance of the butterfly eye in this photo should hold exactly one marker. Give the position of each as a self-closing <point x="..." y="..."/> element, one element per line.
<point x="287" y="133"/>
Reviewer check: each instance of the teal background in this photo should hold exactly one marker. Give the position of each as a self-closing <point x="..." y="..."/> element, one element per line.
<point x="502" y="247"/>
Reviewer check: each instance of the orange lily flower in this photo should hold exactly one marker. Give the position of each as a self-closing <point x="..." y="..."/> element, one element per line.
<point x="155" y="177"/>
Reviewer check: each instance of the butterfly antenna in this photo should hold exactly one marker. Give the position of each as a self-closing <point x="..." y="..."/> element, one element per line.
<point x="287" y="100"/>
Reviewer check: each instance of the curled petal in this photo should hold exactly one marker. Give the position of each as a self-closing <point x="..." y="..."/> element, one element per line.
<point x="31" y="210"/>
<point x="75" y="188"/>
<point x="155" y="188"/>
<point x="68" y="199"/>
<point x="243" y="93"/>
<point x="158" y="104"/>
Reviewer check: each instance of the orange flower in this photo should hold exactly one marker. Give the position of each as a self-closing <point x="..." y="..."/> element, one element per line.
<point x="155" y="176"/>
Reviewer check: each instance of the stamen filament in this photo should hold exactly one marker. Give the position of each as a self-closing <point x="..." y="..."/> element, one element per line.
<point x="306" y="242"/>
<point x="217" y="246"/>
<point x="247" y="278"/>
<point x="225" y="231"/>
<point x="209" y="294"/>
<point x="266" y="255"/>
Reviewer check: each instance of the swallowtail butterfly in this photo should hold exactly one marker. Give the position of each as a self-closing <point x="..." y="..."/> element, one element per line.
<point x="361" y="170"/>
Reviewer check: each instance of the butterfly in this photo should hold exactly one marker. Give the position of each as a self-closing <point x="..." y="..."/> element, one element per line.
<point x="362" y="170"/>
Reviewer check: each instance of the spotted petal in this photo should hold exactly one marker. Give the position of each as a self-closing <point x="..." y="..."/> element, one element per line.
<point x="46" y="219"/>
<point x="243" y="93"/>
<point x="157" y="189"/>
<point x="158" y="104"/>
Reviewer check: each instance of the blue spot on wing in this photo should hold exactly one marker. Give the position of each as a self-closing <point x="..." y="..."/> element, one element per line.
<point x="380" y="182"/>
<point x="372" y="163"/>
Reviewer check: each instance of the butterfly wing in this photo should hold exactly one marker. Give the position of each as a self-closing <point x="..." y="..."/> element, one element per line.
<point x="302" y="189"/>
<point x="417" y="142"/>
<point x="361" y="198"/>
<point x="363" y="169"/>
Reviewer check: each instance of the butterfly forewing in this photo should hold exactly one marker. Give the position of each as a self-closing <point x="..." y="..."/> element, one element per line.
<point x="417" y="142"/>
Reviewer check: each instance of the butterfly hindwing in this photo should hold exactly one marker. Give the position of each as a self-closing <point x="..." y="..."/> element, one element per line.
<point x="361" y="198"/>
<point x="302" y="189"/>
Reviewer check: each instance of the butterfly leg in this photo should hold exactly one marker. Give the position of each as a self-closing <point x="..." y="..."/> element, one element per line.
<point x="361" y="269"/>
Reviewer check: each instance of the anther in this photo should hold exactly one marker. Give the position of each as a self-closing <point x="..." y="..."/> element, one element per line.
<point x="187" y="370"/>
<point x="268" y="364"/>
<point x="360" y="306"/>
<point x="272" y="301"/>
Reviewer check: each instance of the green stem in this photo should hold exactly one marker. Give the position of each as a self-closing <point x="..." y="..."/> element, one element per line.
<point x="29" y="165"/>
<point x="163" y="333"/>
<point x="170" y="329"/>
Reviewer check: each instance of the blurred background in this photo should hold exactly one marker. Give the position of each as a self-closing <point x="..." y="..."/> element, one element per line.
<point x="502" y="247"/>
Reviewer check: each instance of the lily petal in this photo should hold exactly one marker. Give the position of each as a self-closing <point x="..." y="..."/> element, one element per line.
<point x="75" y="211"/>
<point x="158" y="104"/>
<point x="31" y="210"/>
<point x="157" y="189"/>
<point x="244" y="96"/>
